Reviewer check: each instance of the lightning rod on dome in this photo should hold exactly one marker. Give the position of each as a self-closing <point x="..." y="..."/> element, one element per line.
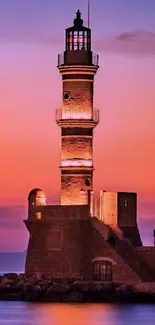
<point x="88" y="13"/>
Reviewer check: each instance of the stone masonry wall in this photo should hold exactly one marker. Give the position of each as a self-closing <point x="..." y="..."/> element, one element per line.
<point x="94" y="246"/>
<point x="148" y="255"/>
<point x="72" y="189"/>
<point x="127" y="209"/>
<point x="67" y="247"/>
<point x="54" y="248"/>
<point x="62" y="247"/>
<point x="50" y="212"/>
<point x="80" y="101"/>
<point x="76" y="147"/>
<point x="109" y="208"/>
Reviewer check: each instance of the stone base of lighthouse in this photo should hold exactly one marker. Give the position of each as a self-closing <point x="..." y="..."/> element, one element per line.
<point x="65" y="242"/>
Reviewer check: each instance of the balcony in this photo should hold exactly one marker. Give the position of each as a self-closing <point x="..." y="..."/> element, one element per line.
<point x="76" y="162"/>
<point x="78" y="58"/>
<point x="74" y="116"/>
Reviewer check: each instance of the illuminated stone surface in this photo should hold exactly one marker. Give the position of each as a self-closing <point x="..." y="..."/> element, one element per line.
<point x="78" y="105"/>
<point x="74" y="190"/>
<point x="80" y="102"/>
<point x="76" y="147"/>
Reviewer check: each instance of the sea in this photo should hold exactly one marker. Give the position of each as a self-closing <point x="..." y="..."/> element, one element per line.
<point x="26" y="313"/>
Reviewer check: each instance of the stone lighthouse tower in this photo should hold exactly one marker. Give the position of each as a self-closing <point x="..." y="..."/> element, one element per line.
<point x="77" y="117"/>
<point x="68" y="240"/>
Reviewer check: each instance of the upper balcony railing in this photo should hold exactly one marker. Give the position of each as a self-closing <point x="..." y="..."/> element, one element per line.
<point x="60" y="59"/>
<point x="94" y="60"/>
<point x="74" y="114"/>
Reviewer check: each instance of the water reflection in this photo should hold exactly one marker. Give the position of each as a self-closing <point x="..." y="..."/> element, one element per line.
<point x="17" y="313"/>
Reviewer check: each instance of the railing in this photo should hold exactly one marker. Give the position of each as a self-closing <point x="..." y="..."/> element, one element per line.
<point x="74" y="114"/>
<point x="76" y="162"/>
<point x="95" y="59"/>
<point x="60" y="59"/>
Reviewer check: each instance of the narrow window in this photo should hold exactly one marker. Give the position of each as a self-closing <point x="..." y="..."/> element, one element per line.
<point x="126" y="203"/>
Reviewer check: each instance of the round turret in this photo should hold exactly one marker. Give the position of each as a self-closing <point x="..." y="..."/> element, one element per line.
<point x="37" y="197"/>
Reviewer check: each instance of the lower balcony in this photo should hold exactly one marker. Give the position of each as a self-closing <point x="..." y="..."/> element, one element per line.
<point x="74" y="162"/>
<point x="74" y="117"/>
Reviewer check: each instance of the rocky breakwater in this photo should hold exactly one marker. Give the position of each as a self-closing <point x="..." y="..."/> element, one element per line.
<point x="21" y="287"/>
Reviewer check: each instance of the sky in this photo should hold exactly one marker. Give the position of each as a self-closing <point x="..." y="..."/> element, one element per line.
<point x="31" y="36"/>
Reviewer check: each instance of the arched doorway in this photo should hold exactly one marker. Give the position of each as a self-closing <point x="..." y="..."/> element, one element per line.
<point x="102" y="270"/>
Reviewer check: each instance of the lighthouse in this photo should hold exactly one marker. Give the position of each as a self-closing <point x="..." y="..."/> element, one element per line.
<point x="70" y="240"/>
<point x="77" y="117"/>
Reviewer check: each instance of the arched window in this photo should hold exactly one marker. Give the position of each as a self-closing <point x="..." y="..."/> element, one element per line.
<point x="102" y="270"/>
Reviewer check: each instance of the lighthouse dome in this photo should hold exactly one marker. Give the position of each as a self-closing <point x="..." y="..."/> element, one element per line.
<point x="37" y="196"/>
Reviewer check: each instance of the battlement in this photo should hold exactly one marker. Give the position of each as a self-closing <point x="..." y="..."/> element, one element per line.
<point x="49" y="212"/>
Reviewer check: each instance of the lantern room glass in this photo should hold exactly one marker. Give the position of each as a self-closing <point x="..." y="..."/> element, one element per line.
<point x="78" y="40"/>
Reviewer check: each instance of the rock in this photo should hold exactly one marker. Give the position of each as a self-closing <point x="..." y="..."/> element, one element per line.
<point x="11" y="276"/>
<point x="13" y="296"/>
<point x="57" y="288"/>
<point x="52" y="297"/>
<point x="31" y="293"/>
<point x="4" y="282"/>
<point x="21" y="277"/>
<point x="83" y="286"/>
<point x="73" y="297"/>
<point x="39" y="288"/>
<point x="27" y="287"/>
<point x="18" y="285"/>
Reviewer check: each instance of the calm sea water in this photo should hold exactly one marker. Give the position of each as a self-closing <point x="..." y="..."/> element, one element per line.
<point x="23" y="313"/>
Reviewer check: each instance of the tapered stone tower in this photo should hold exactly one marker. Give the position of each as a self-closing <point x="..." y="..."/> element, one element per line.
<point x="77" y="117"/>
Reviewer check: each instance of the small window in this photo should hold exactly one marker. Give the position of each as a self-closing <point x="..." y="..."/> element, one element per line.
<point x="87" y="182"/>
<point x="66" y="94"/>
<point x="126" y="203"/>
<point x="38" y="215"/>
<point x="102" y="271"/>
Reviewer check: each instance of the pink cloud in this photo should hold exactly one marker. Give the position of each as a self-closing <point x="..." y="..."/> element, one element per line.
<point x="135" y="42"/>
<point x="139" y="42"/>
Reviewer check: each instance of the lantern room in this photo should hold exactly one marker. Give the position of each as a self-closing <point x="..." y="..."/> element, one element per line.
<point x="78" y="37"/>
<point x="78" y="45"/>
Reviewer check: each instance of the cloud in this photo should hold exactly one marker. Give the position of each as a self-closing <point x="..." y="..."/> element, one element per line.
<point x="13" y="233"/>
<point x="12" y="217"/>
<point x="135" y="42"/>
<point x="138" y="42"/>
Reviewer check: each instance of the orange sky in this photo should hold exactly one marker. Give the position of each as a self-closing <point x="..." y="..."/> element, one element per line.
<point x="124" y="155"/>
